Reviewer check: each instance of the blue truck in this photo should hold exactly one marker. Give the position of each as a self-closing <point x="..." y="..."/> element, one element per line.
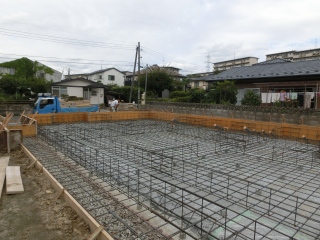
<point x="51" y="104"/>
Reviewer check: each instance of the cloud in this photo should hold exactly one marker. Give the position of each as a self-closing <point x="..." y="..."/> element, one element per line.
<point x="178" y="33"/>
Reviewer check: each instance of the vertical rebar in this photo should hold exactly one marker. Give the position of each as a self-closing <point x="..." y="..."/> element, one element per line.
<point x="247" y="195"/>
<point x="138" y="171"/>
<point x="269" y="203"/>
<point x="110" y="170"/>
<point x="225" y="224"/>
<point x="228" y="188"/>
<point x="295" y="216"/>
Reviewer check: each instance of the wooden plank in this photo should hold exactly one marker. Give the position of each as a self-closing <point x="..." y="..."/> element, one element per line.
<point x="3" y="164"/>
<point x="13" y="180"/>
<point x="69" y="199"/>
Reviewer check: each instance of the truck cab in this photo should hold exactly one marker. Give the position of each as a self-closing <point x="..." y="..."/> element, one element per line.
<point x="46" y="104"/>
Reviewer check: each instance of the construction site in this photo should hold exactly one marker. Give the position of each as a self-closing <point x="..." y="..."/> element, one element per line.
<point x="163" y="175"/>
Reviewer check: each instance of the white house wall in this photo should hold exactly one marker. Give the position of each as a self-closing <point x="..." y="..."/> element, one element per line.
<point x="75" y="91"/>
<point x="56" y="77"/>
<point x="4" y="70"/>
<point x="98" y="99"/>
<point x="119" y="77"/>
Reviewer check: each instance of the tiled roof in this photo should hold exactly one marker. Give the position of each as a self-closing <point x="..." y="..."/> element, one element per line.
<point x="99" y="71"/>
<point x="91" y="83"/>
<point x="283" y="69"/>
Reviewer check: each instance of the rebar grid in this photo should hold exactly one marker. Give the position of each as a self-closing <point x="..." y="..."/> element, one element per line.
<point x="207" y="183"/>
<point x="116" y="217"/>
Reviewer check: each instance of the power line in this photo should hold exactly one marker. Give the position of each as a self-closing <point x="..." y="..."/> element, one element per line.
<point x="155" y="54"/>
<point x="70" y="62"/>
<point x="80" y="59"/>
<point x="59" y="30"/>
<point x="49" y="38"/>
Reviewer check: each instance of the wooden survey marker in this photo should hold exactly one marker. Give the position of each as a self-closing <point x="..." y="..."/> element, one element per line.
<point x="13" y="180"/>
<point x="3" y="164"/>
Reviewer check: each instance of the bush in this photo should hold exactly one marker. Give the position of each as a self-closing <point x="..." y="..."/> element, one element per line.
<point x="64" y="97"/>
<point x="223" y="92"/>
<point x="197" y="95"/>
<point x="250" y="98"/>
<point x="177" y="94"/>
<point x="182" y="99"/>
<point x="72" y="98"/>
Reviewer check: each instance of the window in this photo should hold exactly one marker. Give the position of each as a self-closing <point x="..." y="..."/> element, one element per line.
<point x="45" y="102"/>
<point x="196" y="84"/>
<point x="58" y="91"/>
<point x="40" y="75"/>
<point x="100" y="76"/>
<point x="111" y="77"/>
<point x="93" y="93"/>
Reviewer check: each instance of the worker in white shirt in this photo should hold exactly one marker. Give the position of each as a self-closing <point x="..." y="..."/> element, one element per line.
<point x="114" y="105"/>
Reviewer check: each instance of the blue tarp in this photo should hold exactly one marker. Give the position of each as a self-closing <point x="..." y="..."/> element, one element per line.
<point x="80" y="109"/>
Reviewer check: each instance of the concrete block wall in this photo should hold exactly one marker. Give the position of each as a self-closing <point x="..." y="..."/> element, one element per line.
<point x="16" y="109"/>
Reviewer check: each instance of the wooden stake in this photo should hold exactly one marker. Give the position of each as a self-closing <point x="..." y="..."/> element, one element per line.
<point x="59" y="194"/>
<point x="33" y="119"/>
<point x="32" y="164"/>
<point x="20" y="117"/>
<point x="95" y="234"/>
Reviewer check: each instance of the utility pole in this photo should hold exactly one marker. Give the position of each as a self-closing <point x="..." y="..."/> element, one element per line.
<point x="145" y="84"/>
<point x="138" y="73"/>
<point x="134" y="72"/>
<point x="68" y="73"/>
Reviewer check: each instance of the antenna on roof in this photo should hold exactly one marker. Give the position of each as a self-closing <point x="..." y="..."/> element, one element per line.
<point x="315" y="45"/>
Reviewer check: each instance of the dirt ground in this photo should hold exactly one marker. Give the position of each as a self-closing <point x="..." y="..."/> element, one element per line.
<point x="34" y="214"/>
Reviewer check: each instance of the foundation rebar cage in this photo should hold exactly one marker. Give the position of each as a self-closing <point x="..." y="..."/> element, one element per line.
<point x="194" y="182"/>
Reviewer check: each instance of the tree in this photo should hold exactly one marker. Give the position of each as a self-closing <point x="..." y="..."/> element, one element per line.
<point x="223" y="93"/>
<point x="158" y="80"/>
<point x="124" y="92"/>
<point x="185" y="82"/>
<point x="24" y="80"/>
<point x="197" y="95"/>
<point x="250" y="98"/>
<point x="9" y="84"/>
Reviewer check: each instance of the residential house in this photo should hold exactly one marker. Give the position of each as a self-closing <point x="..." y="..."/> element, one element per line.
<point x="239" y="62"/>
<point x="172" y="71"/>
<point x="80" y="87"/>
<point x="198" y="84"/>
<point x="128" y="77"/>
<point x="297" y="79"/>
<point x="105" y="76"/>
<point x="311" y="54"/>
<point x="4" y="70"/>
<point x="55" y="77"/>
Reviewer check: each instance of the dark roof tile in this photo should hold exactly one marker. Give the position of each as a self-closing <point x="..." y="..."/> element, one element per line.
<point x="311" y="67"/>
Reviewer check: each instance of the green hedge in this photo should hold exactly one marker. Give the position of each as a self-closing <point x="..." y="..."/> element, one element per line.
<point x="177" y="94"/>
<point x="182" y="99"/>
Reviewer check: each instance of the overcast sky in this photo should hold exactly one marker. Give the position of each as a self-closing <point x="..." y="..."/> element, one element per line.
<point x="89" y="35"/>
